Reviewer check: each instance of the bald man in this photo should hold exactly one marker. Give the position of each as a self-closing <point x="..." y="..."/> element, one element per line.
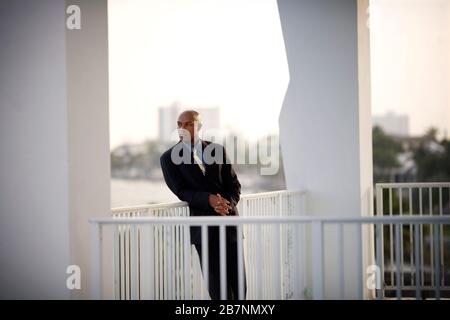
<point x="200" y="173"/>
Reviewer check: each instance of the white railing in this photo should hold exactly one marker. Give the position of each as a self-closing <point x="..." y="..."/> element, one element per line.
<point x="414" y="261"/>
<point x="166" y="267"/>
<point x="157" y="255"/>
<point x="155" y="260"/>
<point x="258" y="248"/>
<point x="316" y="225"/>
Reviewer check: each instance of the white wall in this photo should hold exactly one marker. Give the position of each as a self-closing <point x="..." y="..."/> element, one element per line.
<point x="34" y="207"/>
<point x="324" y="126"/>
<point x="89" y="158"/>
<point x="54" y="169"/>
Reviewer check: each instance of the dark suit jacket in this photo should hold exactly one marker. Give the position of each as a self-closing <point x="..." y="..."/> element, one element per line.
<point x="188" y="183"/>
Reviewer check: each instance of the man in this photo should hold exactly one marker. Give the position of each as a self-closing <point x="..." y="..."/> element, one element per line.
<point x="205" y="179"/>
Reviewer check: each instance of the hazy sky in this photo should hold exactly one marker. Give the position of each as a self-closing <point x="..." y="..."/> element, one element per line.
<point x="227" y="53"/>
<point x="410" y="52"/>
<point x="230" y="53"/>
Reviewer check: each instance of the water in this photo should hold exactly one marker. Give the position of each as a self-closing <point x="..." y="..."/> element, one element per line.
<point x="138" y="192"/>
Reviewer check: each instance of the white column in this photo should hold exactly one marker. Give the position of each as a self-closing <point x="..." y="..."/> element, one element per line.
<point x="34" y="195"/>
<point x="54" y="169"/>
<point x="325" y="126"/>
<point x="89" y="160"/>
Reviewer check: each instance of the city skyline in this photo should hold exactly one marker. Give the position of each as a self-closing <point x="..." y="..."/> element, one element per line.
<point x="410" y="61"/>
<point x="186" y="51"/>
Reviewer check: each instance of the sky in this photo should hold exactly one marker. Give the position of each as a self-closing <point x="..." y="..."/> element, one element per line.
<point x="410" y="61"/>
<point x="230" y="53"/>
<point x="201" y="53"/>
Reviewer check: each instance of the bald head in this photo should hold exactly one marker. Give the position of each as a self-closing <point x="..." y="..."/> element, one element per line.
<point x="189" y="123"/>
<point x="189" y="115"/>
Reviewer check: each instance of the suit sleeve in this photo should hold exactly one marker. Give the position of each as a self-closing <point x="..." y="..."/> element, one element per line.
<point x="230" y="181"/>
<point x="197" y="199"/>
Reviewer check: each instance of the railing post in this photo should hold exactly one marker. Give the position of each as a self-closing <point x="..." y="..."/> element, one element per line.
<point x="116" y="263"/>
<point x="96" y="256"/>
<point x="134" y="263"/>
<point x="280" y="199"/>
<point x="437" y="264"/>
<point x="244" y="207"/>
<point x="397" y="261"/>
<point x="379" y="258"/>
<point x="380" y="239"/>
<point x="317" y="259"/>
<point x="187" y="263"/>
<point x="258" y="266"/>
<point x="170" y="255"/>
<point x="379" y="199"/>
<point x="359" y="273"/>
<point x="223" y="263"/>
<point x="147" y="261"/>
<point x="205" y="256"/>
<point x="240" y="259"/>
<point x="278" y="263"/>
<point x="417" y="259"/>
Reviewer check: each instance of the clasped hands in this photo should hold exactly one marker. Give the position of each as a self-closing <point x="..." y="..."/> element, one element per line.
<point x="219" y="204"/>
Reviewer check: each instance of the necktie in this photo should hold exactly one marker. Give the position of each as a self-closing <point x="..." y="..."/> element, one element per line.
<point x="199" y="161"/>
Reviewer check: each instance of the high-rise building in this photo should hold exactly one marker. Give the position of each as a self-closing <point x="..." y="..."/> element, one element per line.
<point x="168" y="121"/>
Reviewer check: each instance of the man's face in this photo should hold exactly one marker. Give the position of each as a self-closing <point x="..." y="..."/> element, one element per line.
<point x="188" y="126"/>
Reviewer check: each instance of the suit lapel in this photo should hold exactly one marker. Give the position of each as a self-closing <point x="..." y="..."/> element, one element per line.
<point x="192" y="167"/>
<point x="208" y="166"/>
<point x="212" y="168"/>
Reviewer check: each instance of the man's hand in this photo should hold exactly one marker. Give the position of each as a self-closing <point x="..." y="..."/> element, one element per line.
<point x="219" y="204"/>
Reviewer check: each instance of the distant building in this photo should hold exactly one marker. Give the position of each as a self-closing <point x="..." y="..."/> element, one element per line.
<point x="168" y="119"/>
<point x="392" y="123"/>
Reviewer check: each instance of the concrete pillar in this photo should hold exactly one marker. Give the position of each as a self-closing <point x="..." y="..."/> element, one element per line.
<point x="34" y="194"/>
<point x="325" y="126"/>
<point x="88" y="144"/>
<point x="54" y="172"/>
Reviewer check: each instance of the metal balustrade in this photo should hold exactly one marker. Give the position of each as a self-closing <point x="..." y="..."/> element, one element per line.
<point x="157" y="255"/>
<point x="283" y="248"/>
<point x="168" y="267"/>
<point x="415" y="262"/>
<point x="261" y="253"/>
<point x="317" y="225"/>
